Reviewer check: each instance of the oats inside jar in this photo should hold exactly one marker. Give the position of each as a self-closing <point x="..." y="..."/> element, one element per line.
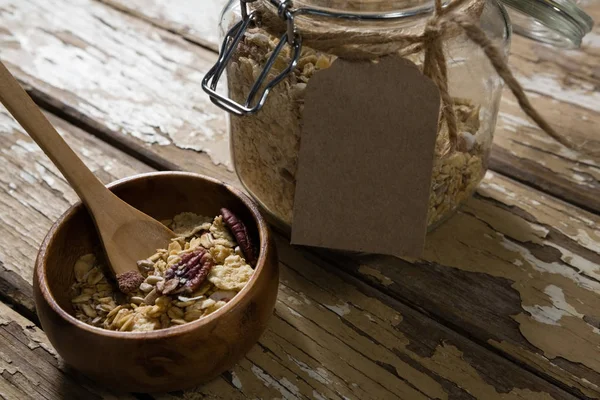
<point x="196" y="274"/>
<point x="265" y="145"/>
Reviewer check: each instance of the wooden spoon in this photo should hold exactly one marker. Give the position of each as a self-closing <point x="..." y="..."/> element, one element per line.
<point x="127" y="234"/>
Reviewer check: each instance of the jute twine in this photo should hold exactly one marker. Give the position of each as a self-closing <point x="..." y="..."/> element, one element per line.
<point x="351" y="41"/>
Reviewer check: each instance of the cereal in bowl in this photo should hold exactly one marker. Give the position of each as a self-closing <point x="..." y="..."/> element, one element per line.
<point x="210" y="261"/>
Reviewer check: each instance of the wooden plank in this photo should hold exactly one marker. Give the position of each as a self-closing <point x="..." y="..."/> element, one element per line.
<point x="515" y="269"/>
<point x="31" y="369"/>
<point x="561" y="84"/>
<point x="569" y="372"/>
<point x="136" y="81"/>
<point x="331" y="336"/>
<point x="197" y="21"/>
<point x="34" y="194"/>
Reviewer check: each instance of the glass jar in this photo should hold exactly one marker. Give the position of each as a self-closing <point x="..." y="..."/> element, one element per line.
<point x="268" y="68"/>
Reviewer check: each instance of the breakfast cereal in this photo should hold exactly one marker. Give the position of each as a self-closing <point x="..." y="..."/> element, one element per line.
<point x="202" y="269"/>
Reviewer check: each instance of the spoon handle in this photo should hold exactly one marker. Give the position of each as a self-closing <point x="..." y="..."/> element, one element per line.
<point x="28" y="114"/>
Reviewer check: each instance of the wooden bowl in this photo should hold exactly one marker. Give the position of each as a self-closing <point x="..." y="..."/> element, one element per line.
<point x="169" y="359"/>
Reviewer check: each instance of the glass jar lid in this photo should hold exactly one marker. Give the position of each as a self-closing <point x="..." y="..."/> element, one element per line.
<point x="558" y="22"/>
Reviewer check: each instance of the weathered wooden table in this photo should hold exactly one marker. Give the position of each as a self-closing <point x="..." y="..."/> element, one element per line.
<point x="505" y="304"/>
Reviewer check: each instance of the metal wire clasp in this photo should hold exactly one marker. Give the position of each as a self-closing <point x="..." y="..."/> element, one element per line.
<point x="260" y="90"/>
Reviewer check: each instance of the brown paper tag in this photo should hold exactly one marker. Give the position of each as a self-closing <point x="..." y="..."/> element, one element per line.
<point x="366" y="158"/>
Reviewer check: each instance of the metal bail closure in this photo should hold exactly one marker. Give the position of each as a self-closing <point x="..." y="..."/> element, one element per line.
<point x="260" y="89"/>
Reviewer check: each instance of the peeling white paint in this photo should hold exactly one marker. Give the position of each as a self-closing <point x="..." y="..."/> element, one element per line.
<point x="339" y="309"/>
<point x="85" y="152"/>
<point x="581" y="218"/>
<point x="7" y="125"/>
<point x="323" y="373"/>
<point x="306" y="300"/>
<point x="575" y="155"/>
<point x="27" y="177"/>
<point x="546" y="139"/>
<point x="512" y="122"/>
<point x="235" y="380"/>
<point x="584" y="266"/>
<point x="540" y="230"/>
<point x="319" y="374"/>
<point x="44" y="175"/>
<point x="578" y="178"/>
<point x="191" y="17"/>
<point x="318" y="396"/>
<point x="375" y="273"/>
<point x="29" y="147"/>
<point x="141" y="81"/>
<point x="584" y="239"/>
<point x="592" y="39"/>
<point x="293" y="300"/>
<point x="552" y="268"/>
<point x="268" y="381"/>
<point x="518" y="262"/>
<point x="294" y="313"/>
<point x="290" y="386"/>
<point x="583" y="94"/>
<point x="497" y="188"/>
<point x="588" y="382"/>
<point x="551" y="315"/>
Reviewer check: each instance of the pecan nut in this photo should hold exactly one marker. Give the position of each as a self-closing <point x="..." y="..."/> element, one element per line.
<point x="240" y="232"/>
<point x="189" y="273"/>
<point x="198" y="274"/>
<point x="170" y="285"/>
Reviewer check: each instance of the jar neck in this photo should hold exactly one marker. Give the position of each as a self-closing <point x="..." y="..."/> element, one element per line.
<point x="317" y="19"/>
<point x="349" y="35"/>
<point x="359" y="9"/>
<point x="368" y="6"/>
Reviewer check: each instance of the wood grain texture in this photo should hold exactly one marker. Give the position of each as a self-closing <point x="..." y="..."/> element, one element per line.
<point x="127" y="234"/>
<point x="561" y="85"/>
<point x="197" y="21"/>
<point x="34" y="194"/>
<point x="515" y="269"/>
<point x="475" y="285"/>
<point x="135" y="79"/>
<point x="30" y="368"/>
<point x="331" y="335"/>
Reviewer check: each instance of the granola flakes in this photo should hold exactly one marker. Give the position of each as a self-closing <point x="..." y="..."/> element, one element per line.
<point x="198" y="273"/>
<point x="265" y="145"/>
